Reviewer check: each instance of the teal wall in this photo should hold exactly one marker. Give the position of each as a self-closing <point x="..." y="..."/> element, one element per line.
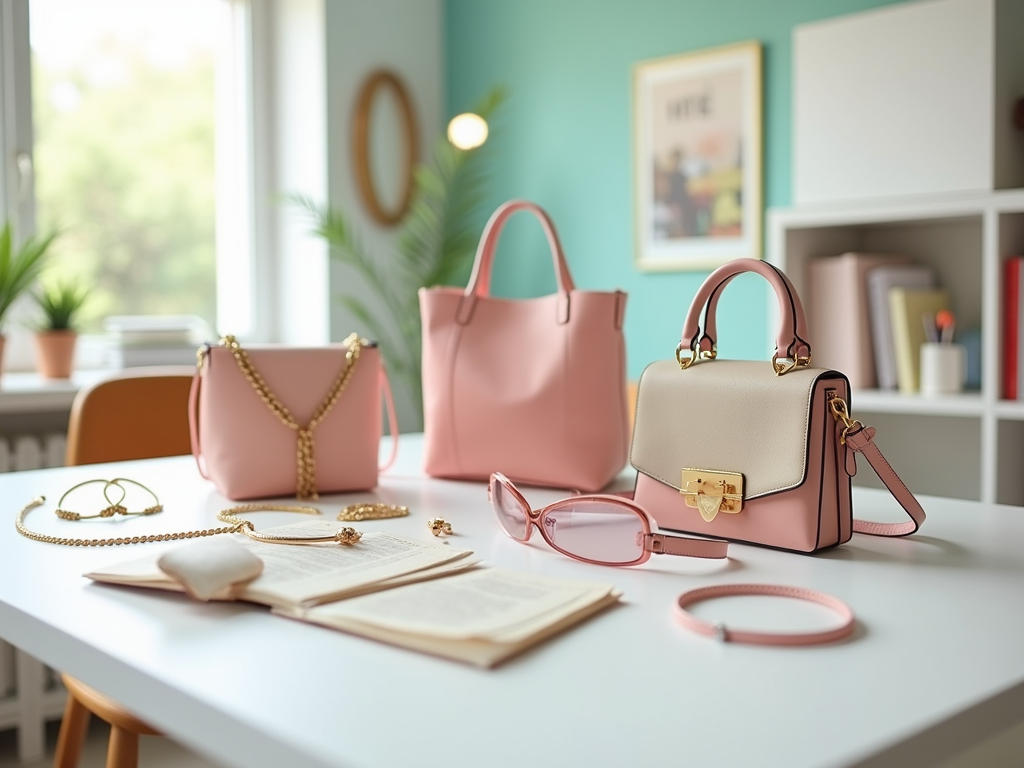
<point x="563" y="139"/>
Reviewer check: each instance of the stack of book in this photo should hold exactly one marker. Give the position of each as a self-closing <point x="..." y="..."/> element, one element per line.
<point x="138" y="340"/>
<point x="867" y="314"/>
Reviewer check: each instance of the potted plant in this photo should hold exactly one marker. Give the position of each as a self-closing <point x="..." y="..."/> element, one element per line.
<point x="60" y="302"/>
<point x="436" y="246"/>
<point x="19" y="268"/>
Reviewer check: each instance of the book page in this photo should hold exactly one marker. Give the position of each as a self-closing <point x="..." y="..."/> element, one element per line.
<point x="491" y="603"/>
<point x="316" y="573"/>
<point x="307" y="574"/>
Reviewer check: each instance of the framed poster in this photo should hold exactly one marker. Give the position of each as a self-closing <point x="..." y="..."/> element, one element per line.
<point x="697" y="158"/>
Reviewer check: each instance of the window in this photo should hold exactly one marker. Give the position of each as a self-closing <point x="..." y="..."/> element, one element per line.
<point x="203" y="257"/>
<point x="124" y="129"/>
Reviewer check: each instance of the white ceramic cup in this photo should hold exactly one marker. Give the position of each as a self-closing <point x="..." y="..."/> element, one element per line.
<point x="943" y="368"/>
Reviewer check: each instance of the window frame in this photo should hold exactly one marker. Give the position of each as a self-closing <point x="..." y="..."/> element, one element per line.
<point x="244" y="144"/>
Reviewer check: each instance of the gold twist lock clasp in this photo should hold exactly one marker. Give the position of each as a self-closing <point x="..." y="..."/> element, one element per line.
<point x="711" y="492"/>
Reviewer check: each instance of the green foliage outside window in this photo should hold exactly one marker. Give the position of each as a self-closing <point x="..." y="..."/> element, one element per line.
<point x="125" y="169"/>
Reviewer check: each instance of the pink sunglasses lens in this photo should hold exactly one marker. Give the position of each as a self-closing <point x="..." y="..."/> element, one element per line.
<point x="512" y="515"/>
<point x="596" y="530"/>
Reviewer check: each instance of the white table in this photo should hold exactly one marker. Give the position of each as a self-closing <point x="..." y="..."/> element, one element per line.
<point x="935" y="665"/>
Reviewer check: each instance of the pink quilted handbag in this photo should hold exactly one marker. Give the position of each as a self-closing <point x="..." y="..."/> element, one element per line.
<point x="289" y="421"/>
<point x="751" y="451"/>
<point x="533" y="388"/>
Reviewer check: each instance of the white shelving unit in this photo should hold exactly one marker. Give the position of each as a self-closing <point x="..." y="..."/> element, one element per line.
<point x="969" y="446"/>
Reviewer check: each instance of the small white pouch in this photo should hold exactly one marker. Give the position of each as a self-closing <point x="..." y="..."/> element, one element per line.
<point x="209" y="566"/>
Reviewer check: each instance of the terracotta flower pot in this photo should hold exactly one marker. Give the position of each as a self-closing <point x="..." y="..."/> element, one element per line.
<point x="55" y="353"/>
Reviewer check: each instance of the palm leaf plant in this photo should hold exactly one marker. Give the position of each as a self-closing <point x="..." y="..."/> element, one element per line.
<point x="436" y="246"/>
<point x="19" y="265"/>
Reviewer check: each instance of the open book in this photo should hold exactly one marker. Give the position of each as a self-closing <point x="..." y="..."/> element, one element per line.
<point x="294" y="576"/>
<point x="385" y="587"/>
<point x="482" y="617"/>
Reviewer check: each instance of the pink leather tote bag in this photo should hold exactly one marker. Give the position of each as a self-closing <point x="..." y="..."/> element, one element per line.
<point x="274" y="420"/>
<point x="534" y="388"/>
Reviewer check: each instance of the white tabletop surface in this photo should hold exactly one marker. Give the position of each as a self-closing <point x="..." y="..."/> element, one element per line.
<point x="936" y="662"/>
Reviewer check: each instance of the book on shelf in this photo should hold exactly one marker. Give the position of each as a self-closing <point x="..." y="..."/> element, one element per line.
<point x="880" y="281"/>
<point x="483" y="616"/>
<point x="1013" y="328"/>
<point x="839" y="316"/>
<point x="909" y="307"/>
<point x="422" y="595"/>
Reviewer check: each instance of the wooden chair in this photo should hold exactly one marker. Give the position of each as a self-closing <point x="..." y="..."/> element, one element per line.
<point x="125" y="728"/>
<point x="141" y="414"/>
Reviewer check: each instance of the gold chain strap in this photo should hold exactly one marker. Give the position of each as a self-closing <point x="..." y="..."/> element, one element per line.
<point x="304" y="455"/>
<point x="19" y="523"/>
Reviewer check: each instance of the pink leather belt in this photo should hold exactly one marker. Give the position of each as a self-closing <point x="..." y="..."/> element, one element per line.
<point x="721" y="632"/>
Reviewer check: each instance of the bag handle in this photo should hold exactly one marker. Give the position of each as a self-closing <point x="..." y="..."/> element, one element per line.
<point x="389" y="404"/>
<point x="193" y="414"/>
<point x="791" y="343"/>
<point x="479" y="285"/>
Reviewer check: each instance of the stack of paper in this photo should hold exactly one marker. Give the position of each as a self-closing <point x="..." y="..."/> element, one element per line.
<point x="136" y="340"/>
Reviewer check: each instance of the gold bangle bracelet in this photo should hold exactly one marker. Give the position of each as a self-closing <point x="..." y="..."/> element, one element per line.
<point x="346" y="535"/>
<point x="113" y="508"/>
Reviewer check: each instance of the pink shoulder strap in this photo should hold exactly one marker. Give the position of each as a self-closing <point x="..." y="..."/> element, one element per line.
<point x="389" y="403"/>
<point x="193" y="417"/>
<point x="861" y="440"/>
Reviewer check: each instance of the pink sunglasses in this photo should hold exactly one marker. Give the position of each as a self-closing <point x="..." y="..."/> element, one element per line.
<point x="594" y="528"/>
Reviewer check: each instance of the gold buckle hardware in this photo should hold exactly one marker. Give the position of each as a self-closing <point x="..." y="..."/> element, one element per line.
<point x="695" y="354"/>
<point x="841" y="413"/>
<point x="711" y="492"/>
<point x="685" y="363"/>
<point x="784" y="365"/>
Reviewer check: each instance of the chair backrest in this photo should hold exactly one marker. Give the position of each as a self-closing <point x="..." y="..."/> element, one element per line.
<point x="141" y="413"/>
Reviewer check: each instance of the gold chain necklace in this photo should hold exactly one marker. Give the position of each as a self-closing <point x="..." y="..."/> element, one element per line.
<point x="305" y="458"/>
<point x="345" y="535"/>
<point x="19" y="523"/>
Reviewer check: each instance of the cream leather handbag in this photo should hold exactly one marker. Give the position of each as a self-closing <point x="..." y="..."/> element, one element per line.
<point x="751" y="451"/>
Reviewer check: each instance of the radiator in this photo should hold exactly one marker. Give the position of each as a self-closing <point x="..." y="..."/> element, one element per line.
<point x="32" y="451"/>
<point x="30" y="692"/>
